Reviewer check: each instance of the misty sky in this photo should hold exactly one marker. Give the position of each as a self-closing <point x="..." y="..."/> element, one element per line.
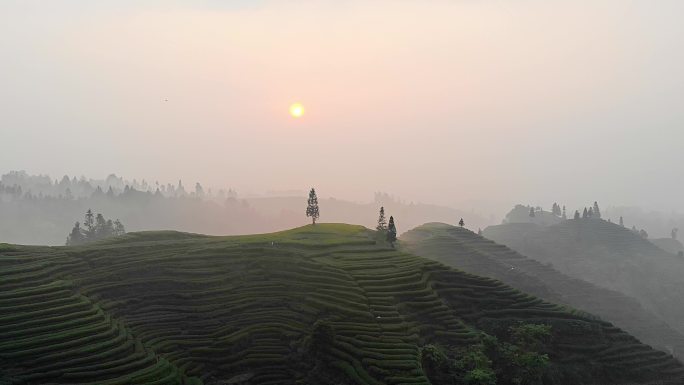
<point x="467" y="103"/>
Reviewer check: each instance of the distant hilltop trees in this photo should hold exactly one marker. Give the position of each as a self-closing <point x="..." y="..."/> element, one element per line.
<point x="95" y="227"/>
<point x="17" y="185"/>
<point x="558" y="213"/>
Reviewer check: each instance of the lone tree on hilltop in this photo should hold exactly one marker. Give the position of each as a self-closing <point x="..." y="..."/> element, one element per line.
<point x="391" y="231"/>
<point x="461" y="223"/>
<point x="312" y="207"/>
<point x="597" y="212"/>
<point x="382" y="221"/>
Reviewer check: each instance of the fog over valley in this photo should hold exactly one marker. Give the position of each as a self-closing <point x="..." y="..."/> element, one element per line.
<point x="315" y="192"/>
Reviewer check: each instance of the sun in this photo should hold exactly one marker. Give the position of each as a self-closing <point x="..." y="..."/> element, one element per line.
<point x="297" y="110"/>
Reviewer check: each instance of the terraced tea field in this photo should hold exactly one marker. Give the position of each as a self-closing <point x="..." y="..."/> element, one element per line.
<point x="463" y="249"/>
<point x="173" y="308"/>
<point x="607" y="255"/>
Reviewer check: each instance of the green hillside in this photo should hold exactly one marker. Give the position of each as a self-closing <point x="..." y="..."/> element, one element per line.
<point x="606" y="255"/>
<point x="463" y="249"/>
<point x="313" y="305"/>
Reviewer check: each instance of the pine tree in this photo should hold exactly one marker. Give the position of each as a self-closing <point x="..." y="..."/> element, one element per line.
<point x="382" y="222"/>
<point x="461" y="223"/>
<point x="622" y="223"/>
<point x="119" y="228"/>
<point x="590" y="213"/>
<point x="76" y="236"/>
<point x="391" y="231"/>
<point x="585" y="213"/>
<point x="312" y="207"/>
<point x="577" y="214"/>
<point x="89" y="224"/>
<point x="100" y="227"/>
<point x="564" y="216"/>
<point x="109" y="228"/>
<point x="597" y="212"/>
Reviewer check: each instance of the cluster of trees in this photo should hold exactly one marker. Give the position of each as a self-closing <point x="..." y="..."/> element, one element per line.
<point x="557" y="211"/>
<point x="20" y="185"/>
<point x="389" y="228"/>
<point x="515" y="358"/>
<point x="95" y="227"/>
<point x="591" y="212"/>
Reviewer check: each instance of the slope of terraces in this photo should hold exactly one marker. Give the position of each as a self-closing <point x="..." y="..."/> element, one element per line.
<point x="463" y="249"/>
<point x="608" y="256"/>
<point x="171" y="308"/>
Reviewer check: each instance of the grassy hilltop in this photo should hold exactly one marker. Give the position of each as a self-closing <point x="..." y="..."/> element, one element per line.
<point x="464" y="249"/>
<point x="175" y="308"/>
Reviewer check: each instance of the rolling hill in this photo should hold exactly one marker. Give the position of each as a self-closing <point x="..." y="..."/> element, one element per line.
<point x="324" y="304"/>
<point x="606" y="255"/>
<point x="461" y="248"/>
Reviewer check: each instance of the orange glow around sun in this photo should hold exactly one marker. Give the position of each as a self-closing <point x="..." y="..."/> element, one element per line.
<point x="297" y="110"/>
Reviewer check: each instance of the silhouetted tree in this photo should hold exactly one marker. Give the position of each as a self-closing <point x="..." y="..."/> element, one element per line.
<point x="597" y="212"/>
<point x="585" y="213"/>
<point x="564" y="216"/>
<point x="76" y="237"/>
<point x="100" y="227"/>
<point x="382" y="221"/>
<point x="391" y="231"/>
<point x="89" y="224"/>
<point x="556" y="210"/>
<point x="199" y="191"/>
<point x="643" y="234"/>
<point x="119" y="228"/>
<point x="622" y="223"/>
<point x="590" y="213"/>
<point x="577" y="214"/>
<point x="312" y="207"/>
<point x="461" y="223"/>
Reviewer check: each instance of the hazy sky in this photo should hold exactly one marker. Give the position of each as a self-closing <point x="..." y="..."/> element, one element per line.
<point x="455" y="102"/>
